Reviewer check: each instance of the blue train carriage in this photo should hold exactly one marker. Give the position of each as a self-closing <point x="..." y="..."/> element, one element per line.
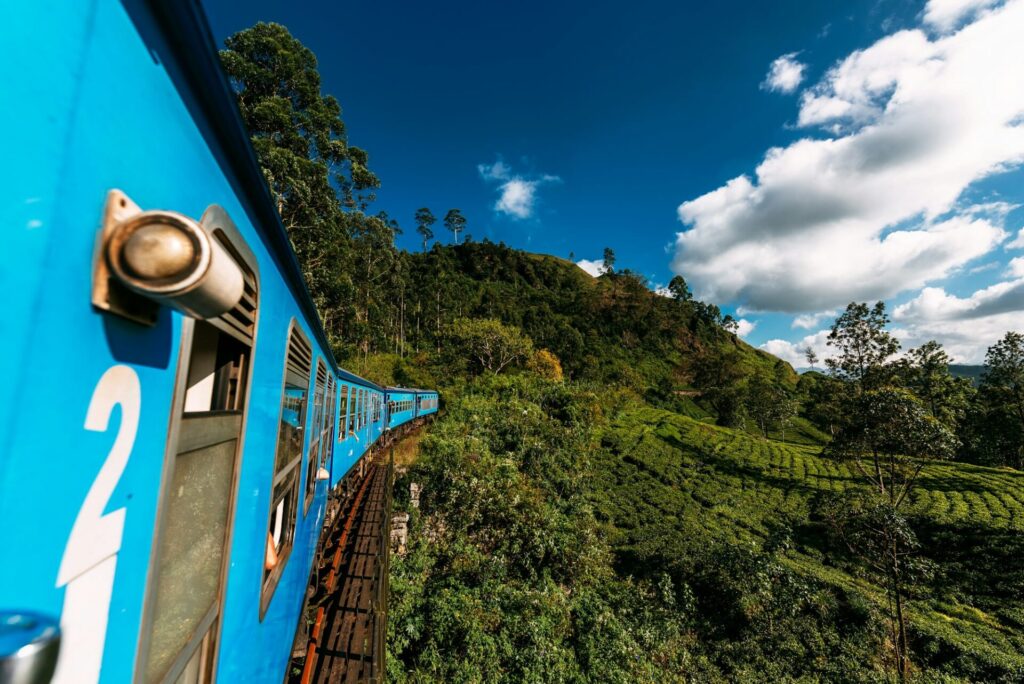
<point x="406" y="405"/>
<point x="401" y="406"/>
<point x="360" y="419"/>
<point x="171" y="425"/>
<point x="427" y="402"/>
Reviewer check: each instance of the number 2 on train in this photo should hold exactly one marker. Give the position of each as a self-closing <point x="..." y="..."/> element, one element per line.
<point x="90" y="557"/>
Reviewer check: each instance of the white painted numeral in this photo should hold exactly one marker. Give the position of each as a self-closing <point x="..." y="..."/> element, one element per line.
<point x="90" y="557"/>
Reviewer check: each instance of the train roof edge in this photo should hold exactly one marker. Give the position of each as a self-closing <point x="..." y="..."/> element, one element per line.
<point x="193" y="62"/>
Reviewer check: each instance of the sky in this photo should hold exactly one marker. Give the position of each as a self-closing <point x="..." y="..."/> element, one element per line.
<point x="785" y="158"/>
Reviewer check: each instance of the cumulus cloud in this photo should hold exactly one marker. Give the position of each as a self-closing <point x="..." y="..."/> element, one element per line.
<point x="808" y="321"/>
<point x="517" y="194"/>
<point x="496" y="171"/>
<point x="594" y="268"/>
<point x="785" y="74"/>
<point x="874" y="207"/>
<point x="944" y="15"/>
<point x="793" y="352"/>
<point x="966" y="326"/>
<point x="1017" y="242"/>
<point x="745" y="327"/>
<point x="934" y="305"/>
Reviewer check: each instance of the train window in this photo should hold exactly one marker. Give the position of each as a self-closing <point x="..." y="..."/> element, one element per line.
<point x="328" y="440"/>
<point x="352" y="411"/>
<point x="317" y="430"/>
<point x="285" y="483"/>
<point x="182" y="609"/>
<point x="343" y="413"/>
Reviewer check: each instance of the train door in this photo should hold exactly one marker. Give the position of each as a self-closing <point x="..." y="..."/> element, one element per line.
<point x="185" y="587"/>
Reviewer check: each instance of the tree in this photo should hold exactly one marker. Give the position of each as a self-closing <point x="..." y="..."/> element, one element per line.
<point x="760" y="401"/>
<point x="609" y="260"/>
<point x="546" y="365"/>
<point x="863" y="347"/>
<point x="1004" y="370"/>
<point x="810" y="355"/>
<point x="490" y="343"/>
<point x="888" y="442"/>
<point x="717" y="373"/>
<point x="320" y="183"/>
<point x="455" y="222"/>
<point x="926" y="373"/>
<point x="679" y="290"/>
<point x="995" y="424"/>
<point x="424" y="220"/>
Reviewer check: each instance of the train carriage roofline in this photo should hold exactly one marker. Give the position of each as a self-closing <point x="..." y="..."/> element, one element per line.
<point x="193" y="64"/>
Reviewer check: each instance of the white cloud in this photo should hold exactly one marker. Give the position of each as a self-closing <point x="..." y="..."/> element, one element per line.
<point x="517" y="198"/>
<point x="981" y="268"/>
<point x="784" y="74"/>
<point x="871" y="210"/>
<point x="662" y="291"/>
<point x="1017" y="242"/>
<point x="966" y="326"/>
<point x="808" y="321"/>
<point x="517" y="194"/>
<point x="594" y="268"/>
<point x="745" y="327"/>
<point x="793" y="352"/>
<point x="934" y="304"/>
<point x="944" y="15"/>
<point x="496" y="171"/>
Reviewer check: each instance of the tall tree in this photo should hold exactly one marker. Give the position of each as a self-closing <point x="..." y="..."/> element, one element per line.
<point x="717" y="372"/>
<point x="679" y="290"/>
<point x="863" y="346"/>
<point x="490" y="343"/>
<point x="995" y="426"/>
<point x="926" y="373"/>
<point x="888" y="441"/>
<point x="609" y="260"/>
<point x="810" y="355"/>
<point x="319" y="181"/>
<point x="455" y="222"/>
<point x="424" y="220"/>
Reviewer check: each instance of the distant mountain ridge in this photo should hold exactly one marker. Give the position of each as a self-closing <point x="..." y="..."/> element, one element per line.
<point x="972" y="373"/>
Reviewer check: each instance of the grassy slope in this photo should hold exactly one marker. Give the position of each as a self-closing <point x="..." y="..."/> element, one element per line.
<point x="670" y="484"/>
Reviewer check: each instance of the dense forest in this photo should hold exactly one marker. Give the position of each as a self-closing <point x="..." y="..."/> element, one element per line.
<point x="619" y="488"/>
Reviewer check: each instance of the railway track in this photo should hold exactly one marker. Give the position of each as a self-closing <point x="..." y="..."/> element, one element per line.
<point x="346" y="642"/>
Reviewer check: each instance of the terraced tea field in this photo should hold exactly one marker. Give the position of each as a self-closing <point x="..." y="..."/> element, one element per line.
<point x="668" y="485"/>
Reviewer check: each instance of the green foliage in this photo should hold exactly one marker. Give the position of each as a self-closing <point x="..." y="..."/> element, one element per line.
<point x="424" y="220"/>
<point x="488" y="343"/>
<point x="863" y="346"/>
<point x="994" y="431"/>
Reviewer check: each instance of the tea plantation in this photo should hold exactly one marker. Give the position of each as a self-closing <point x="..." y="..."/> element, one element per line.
<point x="667" y="487"/>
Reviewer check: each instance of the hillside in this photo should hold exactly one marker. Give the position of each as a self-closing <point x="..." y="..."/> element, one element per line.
<point x="667" y="487"/>
<point x="572" y="532"/>
<point x="607" y="329"/>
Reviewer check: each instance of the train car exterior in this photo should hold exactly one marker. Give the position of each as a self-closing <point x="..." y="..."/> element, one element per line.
<point x="405" y="405"/>
<point x="401" y="406"/>
<point x="167" y="453"/>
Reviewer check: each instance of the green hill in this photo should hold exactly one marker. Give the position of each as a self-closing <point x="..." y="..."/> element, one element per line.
<point x="668" y="486"/>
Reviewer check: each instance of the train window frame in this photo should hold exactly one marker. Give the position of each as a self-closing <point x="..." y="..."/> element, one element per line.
<point x="317" y="430"/>
<point x="241" y="323"/>
<point x="271" y="578"/>
<point x="343" y="392"/>
<point x="330" y="421"/>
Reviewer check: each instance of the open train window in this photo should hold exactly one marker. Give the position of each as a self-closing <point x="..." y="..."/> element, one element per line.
<point x="317" y="429"/>
<point x="343" y="413"/>
<point x="327" y="448"/>
<point x="353" y="406"/>
<point x="287" y="463"/>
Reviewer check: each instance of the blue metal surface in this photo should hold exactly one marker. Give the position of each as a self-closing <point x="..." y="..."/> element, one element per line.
<point x="97" y="106"/>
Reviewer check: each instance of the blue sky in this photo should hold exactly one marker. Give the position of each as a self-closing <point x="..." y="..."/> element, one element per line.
<point x="785" y="157"/>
